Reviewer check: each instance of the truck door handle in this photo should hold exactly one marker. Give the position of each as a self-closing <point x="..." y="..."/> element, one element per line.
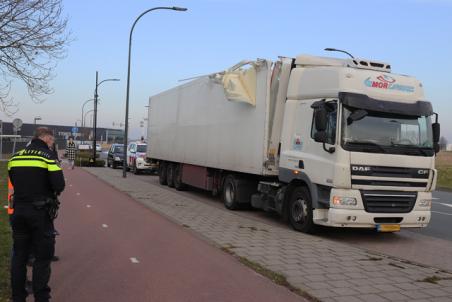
<point x="300" y="164"/>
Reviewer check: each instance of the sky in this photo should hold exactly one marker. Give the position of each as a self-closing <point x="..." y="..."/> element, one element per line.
<point x="414" y="36"/>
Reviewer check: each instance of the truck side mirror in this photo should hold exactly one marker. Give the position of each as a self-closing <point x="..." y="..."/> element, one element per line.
<point x="321" y="119"/>
<point x="436" y="147"/>
<point x="436" y="132"/>
<point x="320" y="137"/>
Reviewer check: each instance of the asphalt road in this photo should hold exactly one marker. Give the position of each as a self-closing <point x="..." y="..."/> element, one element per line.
<point x="430" y="246"/>
<point x="441" y="223"/>
<point x="113" y="248"/>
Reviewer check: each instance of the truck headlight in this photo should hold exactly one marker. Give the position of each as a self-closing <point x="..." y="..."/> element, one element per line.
<point x="425" y="203"/>
<point x="117" y="158"/>
<point x="344" y="201"/>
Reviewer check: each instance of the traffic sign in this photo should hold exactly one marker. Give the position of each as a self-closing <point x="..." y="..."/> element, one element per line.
<point x="74" y="130"/>
<point x="17" y="123"/>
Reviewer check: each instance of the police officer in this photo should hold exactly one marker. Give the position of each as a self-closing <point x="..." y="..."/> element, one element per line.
<point x="37" y="179"/>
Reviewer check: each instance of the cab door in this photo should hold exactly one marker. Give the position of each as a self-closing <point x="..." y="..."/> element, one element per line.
<point x="301" y="155"/>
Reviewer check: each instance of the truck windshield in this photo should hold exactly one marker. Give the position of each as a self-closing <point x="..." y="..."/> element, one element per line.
<point x="387" y="133"/>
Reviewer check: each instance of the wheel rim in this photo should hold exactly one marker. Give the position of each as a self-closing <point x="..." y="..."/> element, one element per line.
<point x="229" y="193"/>
<point x="299" y="210"/>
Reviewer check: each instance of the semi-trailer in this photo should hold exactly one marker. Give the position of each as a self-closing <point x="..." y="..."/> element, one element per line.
<point x="320" y="140"/>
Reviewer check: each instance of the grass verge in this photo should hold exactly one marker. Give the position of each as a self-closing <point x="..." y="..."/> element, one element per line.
<point x="444" y="166"/>
<point x="273" y="276"/>
<point x="434" y="279"/>
<point x="5" y="236"/>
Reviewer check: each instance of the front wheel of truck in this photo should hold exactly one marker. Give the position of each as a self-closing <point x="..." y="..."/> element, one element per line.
<point x="230" y="193"/>
<point x="300" y="210"/>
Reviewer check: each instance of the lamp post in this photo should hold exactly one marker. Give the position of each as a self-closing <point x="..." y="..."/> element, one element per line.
<point x="126" y="119"/>
<point x="95" y="113"/>
<point x="37" y="118"/>
<point x="86" y="113"/>
<point x="83" y="109"/>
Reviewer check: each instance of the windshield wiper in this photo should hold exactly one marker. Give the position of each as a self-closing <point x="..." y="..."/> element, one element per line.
<point x="419" y="149"/>
<point x="366" y="144"/>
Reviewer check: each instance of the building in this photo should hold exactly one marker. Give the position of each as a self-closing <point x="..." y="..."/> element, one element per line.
<point x="62" y="133"/>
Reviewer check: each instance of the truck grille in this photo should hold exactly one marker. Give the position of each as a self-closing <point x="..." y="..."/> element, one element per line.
<point x="388" y="201"/>
<point x="380" y="171"/>
<point x="381" y="176"/>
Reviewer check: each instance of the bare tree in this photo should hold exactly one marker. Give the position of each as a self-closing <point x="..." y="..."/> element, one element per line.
<point x="32" y="38"/>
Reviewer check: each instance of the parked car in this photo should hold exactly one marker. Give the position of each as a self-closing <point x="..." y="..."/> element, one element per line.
<point x="136" y="158"/>
<point x="115" y="156"/>
<point x="98" y="148"/>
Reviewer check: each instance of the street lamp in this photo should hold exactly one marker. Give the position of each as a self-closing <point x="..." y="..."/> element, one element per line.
<point x="83" y="109"/>
<point x="126" y="119"/>
<point x="95" y="113"/>
<point x="37" y="118"/>
<point x="86" y="113"/>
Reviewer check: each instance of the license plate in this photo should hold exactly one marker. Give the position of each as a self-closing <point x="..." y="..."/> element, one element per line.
<point x="388" y="227"/>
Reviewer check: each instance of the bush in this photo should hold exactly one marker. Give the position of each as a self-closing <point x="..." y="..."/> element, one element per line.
<point x="85" y="162"/>
<point x="85" y="154"/>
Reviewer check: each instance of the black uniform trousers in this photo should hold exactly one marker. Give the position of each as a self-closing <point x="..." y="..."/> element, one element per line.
<point x="33" y="232"/>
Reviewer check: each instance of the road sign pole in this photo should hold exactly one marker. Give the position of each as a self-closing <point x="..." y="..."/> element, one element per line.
<point x="14" y="144"/>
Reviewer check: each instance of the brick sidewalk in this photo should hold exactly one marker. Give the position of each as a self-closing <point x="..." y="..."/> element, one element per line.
<point x="327" y="270"/>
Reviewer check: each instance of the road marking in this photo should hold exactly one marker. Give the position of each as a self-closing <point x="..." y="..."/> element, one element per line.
<point x="78" y="194"/>
<point x="70" y="185"/>
<point x="88" y="206"/>
<point x="435" y="198"/>
<point x="105" y="226"/>
<point x="449" y="214"/>
<point x="134" y="260"/>
<point x="446" y="204"/>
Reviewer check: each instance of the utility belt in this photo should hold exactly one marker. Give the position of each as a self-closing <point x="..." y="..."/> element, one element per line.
<point x="50" y="204"/>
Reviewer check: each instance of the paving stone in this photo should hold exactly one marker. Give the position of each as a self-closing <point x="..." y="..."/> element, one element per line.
<point x="348" y="299"/>
<point x="367" y="289"/>
<point x="441" y="299"/>
<point x="373" y="298"/>
<point x="394" y="296"/>
<point x="322" y="293"/>
<point x="406" y="286"/>
<point x="345" y="291"/>
<point x="435" y="292"/>
<point x="416" y="294"/>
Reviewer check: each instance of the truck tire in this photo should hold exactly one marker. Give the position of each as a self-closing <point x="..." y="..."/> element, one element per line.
<point x="170" y="175"/>
<point x="162" y="173"/>
<point x="300" y="210"/>
<point x="178" y="184"/>
<point x="230" y="193"/>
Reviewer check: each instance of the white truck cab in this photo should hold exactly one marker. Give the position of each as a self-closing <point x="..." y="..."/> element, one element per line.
<point x="362" y="140"/>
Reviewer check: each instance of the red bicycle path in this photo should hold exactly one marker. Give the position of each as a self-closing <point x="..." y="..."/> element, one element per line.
<point x="112" y="248"/>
